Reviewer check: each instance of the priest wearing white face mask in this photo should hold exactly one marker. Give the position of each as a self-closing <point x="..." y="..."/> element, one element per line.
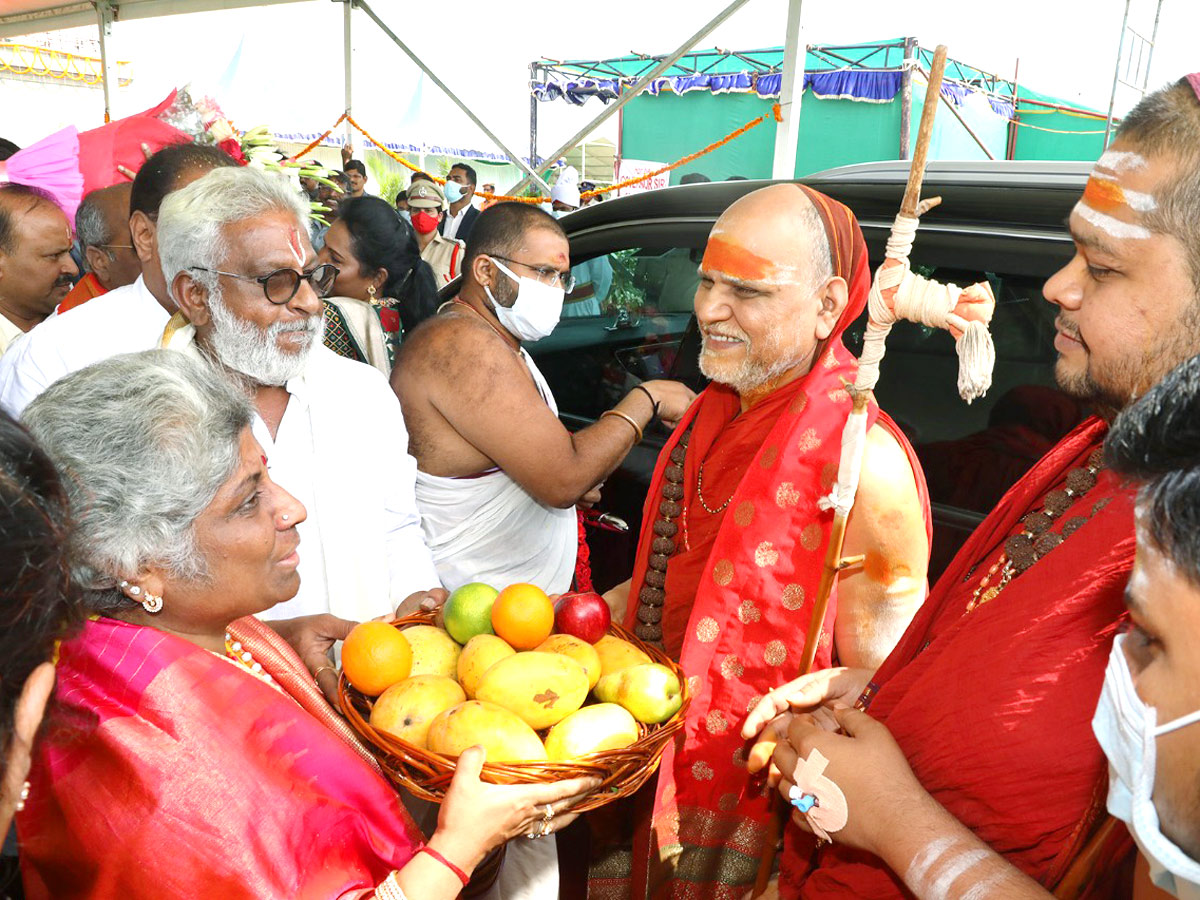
<point x="498" y="474"/>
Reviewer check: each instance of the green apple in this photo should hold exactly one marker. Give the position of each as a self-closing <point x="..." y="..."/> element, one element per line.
<point x="468" y="611"/>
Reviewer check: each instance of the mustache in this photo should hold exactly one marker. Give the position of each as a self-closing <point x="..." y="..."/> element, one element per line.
<point x="733" y="333"/>
<point x="62" y="281"/>
<point x="310" y="325"/>
<point x="1067" y="327"/>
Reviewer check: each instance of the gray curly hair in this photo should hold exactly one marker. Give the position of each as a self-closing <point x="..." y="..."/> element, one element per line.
<point x="144" y="441"/>
<point x="192" y="220"/>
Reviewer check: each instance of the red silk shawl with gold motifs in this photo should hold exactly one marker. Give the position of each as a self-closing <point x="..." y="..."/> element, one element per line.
<point x="168" y="771"/>
<point x="752" y="608"/>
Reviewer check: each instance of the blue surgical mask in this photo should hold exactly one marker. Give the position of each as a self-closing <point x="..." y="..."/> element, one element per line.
<point x="406" y="216"/>
<point x="453" y="191"/>
<point x="1128" y="732"/>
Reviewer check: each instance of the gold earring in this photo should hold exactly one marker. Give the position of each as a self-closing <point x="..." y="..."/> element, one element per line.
<point x="371" y="294"/>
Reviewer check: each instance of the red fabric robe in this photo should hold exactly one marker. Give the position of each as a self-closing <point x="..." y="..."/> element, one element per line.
<point x="993" y="708"/>
<point x="739" y="601"/>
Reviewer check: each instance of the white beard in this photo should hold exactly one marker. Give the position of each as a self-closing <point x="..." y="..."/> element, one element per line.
<point x="255" y="352"/>
<point x="752" y="372"/>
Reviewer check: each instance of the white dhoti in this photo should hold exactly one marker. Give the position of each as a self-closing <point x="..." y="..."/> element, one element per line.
<point x="487" y="528"/>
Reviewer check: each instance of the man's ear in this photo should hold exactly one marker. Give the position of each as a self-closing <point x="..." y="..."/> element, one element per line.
<point x="98" y="262"/>
<point x="833" y="298"/>
<point x="483" y="270"/>
<point x="192" y="298"/>
<point x="145" y="237"/>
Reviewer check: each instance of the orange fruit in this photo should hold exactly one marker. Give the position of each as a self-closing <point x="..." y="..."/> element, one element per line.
<point x="523" y="615"/>
<point x="375" y="656"/>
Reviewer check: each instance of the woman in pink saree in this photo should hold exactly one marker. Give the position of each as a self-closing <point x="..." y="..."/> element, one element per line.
<point x="187" y="751"/>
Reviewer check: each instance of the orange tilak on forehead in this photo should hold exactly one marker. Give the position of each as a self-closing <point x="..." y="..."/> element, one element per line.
<point x="1103" y="195"/>
<point x="731" y="258"/>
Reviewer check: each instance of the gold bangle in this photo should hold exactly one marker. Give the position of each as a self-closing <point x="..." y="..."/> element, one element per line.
<point x="637" y="429"/>
<point x="321" y="669"/>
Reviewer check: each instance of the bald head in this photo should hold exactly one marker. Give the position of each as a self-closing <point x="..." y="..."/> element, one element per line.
<point x="767" y="298"/>
<point x="774" y="236"/>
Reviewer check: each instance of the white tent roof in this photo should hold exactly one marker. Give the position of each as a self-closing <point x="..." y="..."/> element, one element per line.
<point x="19" y="17"/>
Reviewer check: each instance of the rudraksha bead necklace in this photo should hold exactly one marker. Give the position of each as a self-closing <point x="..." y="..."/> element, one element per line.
<point x="1037" y="537"/>
<point x="666" y="527"/>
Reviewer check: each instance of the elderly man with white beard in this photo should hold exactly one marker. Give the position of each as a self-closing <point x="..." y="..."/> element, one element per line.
<point x="238" y="262"/>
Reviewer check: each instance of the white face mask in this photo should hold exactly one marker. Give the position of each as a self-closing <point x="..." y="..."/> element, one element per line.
<point x="536" y="310"/>
<point x="1127" y="730"/>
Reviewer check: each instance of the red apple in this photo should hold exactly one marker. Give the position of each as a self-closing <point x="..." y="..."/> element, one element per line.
<point x="583" y="615"/>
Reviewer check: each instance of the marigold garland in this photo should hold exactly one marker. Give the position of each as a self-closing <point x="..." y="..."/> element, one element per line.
<point x="776" y="112"/>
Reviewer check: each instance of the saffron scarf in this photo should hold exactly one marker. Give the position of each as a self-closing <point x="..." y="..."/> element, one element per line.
<point x="745" y="629"/>
<point x="87" y="288"/>
<point x="168" y="771"/>
<point x="993" y="708"/>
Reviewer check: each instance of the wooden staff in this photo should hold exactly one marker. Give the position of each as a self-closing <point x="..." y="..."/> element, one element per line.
<point x="861" y="395"/>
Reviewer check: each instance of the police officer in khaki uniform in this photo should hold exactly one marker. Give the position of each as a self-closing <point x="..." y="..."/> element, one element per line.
<point x="426" y="205"/>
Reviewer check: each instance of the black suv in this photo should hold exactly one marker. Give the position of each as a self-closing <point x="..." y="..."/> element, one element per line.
<point x="1001" y="221"/>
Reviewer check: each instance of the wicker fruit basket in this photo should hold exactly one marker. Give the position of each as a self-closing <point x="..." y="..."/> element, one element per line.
<point x="427" y="774"/>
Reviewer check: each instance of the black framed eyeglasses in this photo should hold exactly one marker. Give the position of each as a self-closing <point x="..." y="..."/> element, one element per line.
<point x="545" y="274"/>
<point x="281" y="285"/>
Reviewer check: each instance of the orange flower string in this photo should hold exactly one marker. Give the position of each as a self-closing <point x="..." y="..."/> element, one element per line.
<point x="776" y="112"/>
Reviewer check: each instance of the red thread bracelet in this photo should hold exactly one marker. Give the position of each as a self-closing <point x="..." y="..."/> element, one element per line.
<point x="459" y="873"/>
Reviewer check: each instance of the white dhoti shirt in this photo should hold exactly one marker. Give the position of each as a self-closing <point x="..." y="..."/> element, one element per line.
<point x="487" y="528"/>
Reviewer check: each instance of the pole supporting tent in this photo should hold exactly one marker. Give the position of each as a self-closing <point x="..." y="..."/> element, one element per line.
<point x="625" y="97"/>
<point x="520" y="163"/>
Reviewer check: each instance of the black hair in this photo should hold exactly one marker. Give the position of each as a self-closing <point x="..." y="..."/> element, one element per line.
<point x="38" y="602"/>
<point x="160" y="174"/>
<point x="355" y="165"/>
<point x="500" y="228"/>
<point x="420" y="176"/>
<point x="468" y="170"/>
<point x="697" y="178"/>
<point x="379" y="239"/>
<point x="401" y="195"/>
<point x="1156" y="441"/>
<point x="7" y="149"/>
<point x="13" y="194"/>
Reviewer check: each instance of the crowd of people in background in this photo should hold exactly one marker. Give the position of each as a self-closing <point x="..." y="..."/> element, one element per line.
<point x="242" y="431"/>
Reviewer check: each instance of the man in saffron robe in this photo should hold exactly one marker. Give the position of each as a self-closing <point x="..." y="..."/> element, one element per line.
<point x="102" y="229"/>
<point x="991" y="691"/>
<point x="734" y="536"/>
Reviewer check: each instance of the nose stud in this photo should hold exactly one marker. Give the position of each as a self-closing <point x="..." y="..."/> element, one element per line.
<point x="284" y="517"/>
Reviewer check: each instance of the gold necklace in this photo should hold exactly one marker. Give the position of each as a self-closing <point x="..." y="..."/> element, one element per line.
<point x="700" y="494"/>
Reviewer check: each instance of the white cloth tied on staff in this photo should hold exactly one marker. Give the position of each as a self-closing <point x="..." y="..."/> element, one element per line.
<point x="487" y="528"/>
<point x="929" y="302"/>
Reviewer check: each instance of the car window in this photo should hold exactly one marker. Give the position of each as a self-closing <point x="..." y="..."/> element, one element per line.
<point x="622" y="324"/>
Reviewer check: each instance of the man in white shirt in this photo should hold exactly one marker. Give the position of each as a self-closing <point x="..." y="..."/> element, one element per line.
<point x="35" y="259"/>
<point x="238" y="263"/>
<point x="124" y="320"/>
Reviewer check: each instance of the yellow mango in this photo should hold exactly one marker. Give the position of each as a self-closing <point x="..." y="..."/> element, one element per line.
<point x="478" y="655"/>
<point x="579" y="650"/>
<point x="408" y="708"/>
<point x="602" y="726"/>
<point x="503" y="734"/>
<point x="616" y="654"/>
<point x="541" y="688"/>
<point x="434" y="652"/>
